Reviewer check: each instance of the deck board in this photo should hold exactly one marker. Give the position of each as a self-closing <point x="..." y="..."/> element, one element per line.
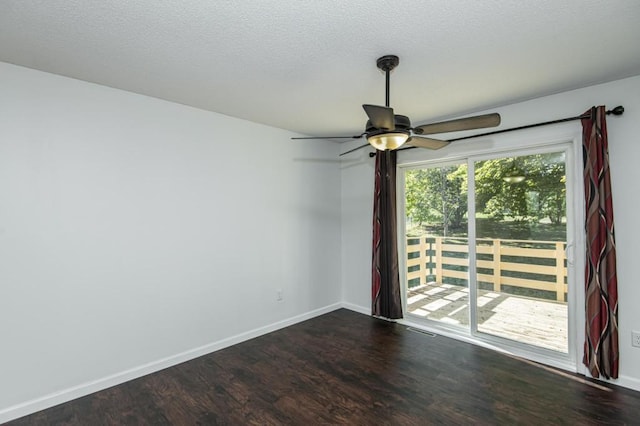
<point x="536" y="322"/>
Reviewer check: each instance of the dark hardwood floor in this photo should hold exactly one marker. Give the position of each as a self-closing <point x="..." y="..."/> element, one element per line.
<point x="348" y="368"/>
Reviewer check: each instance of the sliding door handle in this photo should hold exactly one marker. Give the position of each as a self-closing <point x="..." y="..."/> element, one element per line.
<point x="569" y="252"/>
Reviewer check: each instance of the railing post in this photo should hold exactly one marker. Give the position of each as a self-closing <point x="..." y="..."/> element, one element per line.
<point x="407" y="251"/>
<point x="423" y="260"/>
<point x="497" y="267"/>
<point x="430" y="257"/>
<point x="560" y="271"/>
<point x="438" y="260"/>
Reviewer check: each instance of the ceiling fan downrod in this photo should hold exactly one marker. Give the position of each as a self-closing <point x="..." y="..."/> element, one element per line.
<point x="386" y="64"/>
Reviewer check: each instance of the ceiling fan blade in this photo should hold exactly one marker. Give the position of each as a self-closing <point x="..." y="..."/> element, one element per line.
<point x="354" y="149"/>
<point x="331" y="137"/>
<point x="381" y="117"/>
<point x="428" y="143"/>
<point x="469" y="123"/>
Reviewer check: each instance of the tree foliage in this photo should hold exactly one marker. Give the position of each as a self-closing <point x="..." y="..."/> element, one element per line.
<point x="541" y="195"/>
<point x="438" y="195"/>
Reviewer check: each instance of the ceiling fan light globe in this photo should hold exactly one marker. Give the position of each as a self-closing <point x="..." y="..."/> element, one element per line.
<point x="386" y="141"/>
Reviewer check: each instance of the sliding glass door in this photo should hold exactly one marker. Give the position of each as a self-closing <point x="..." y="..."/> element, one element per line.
<point x="437" y="243"/>
<point x="521" y="236"/>
<point x="485" y="247"/>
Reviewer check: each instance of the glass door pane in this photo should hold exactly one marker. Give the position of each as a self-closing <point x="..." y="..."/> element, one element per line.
<point x="437" y="244"/>
<point x="521" y="237"/>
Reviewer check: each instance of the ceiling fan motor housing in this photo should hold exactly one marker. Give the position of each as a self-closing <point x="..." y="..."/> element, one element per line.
<point x="402" y="124"/>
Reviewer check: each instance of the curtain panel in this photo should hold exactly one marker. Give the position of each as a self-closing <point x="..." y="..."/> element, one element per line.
<point x="601" y="353"/>
<point x="386" y="301"/>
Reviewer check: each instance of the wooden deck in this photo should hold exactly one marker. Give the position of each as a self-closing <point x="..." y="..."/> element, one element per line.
<point x="533" y="321"/>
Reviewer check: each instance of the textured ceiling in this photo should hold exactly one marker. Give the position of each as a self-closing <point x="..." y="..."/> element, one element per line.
<point x="308" y="66"/>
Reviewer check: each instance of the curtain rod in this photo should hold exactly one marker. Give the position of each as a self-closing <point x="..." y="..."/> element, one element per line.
<point x="619" y="110"/>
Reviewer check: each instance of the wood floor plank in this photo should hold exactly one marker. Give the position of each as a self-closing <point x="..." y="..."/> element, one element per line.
<point x="348" y="368"/>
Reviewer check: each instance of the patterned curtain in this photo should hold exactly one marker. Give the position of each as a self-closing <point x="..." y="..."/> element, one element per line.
<point x="385" y="277"/>
<point x="601" y="354"/>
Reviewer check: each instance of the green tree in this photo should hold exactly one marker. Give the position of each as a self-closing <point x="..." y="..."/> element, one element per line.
<point x="548" y="182"/>
<point x="496" y="197"/>
<point x="541" y="194"/>
<point x="437" y="195"/>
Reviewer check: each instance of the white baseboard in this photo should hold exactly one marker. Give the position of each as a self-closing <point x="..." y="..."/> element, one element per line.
<point x="357" y="308"/>
<point x="66" y="395"/>
<point x="625" y="382"/>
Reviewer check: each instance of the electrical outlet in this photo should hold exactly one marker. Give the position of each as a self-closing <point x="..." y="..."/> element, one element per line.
<point x="279" y="295"/>
<point x="635" y="339"/>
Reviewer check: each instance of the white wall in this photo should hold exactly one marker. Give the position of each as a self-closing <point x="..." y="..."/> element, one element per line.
<point x="357" y="193"/>
<point x="135" y="233"/>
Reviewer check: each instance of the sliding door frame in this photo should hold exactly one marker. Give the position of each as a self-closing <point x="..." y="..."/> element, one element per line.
<point x="570" y="144"/>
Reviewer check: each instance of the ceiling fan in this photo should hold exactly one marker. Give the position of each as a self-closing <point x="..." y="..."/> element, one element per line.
<point x="388" y="131"/>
